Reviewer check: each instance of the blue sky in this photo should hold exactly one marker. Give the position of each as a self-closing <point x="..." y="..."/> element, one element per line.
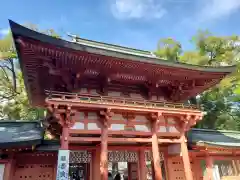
<point x="134" y="23"/>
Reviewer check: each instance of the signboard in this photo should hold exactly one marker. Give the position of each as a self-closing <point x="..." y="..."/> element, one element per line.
<point x="63" y="165"/>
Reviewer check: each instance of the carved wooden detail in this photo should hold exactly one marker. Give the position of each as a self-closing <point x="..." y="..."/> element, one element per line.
<point x="120" y="101"/>
<point x="129" y="117"/>
<point x="64" y="115"/>
<point x="149" y="156"/>
<point x="188" y="121"/>
<point x="122" y="156"/>
<point x="105" y="117"/>
<point x="80" y="157"/>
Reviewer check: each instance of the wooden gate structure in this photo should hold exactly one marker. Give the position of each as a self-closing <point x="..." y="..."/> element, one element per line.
<point x="104" y="98"/>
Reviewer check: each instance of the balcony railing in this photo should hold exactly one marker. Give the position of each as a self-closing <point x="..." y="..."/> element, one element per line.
<point x="87" y="98"/>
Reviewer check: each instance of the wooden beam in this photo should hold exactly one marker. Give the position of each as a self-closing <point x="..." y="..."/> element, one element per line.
<point x="123" y="132"/>
<point x="84" y="139"/>
<point x="81" y="131"/>
<point x="137" y="140"/>
<point x="110" y="139"/>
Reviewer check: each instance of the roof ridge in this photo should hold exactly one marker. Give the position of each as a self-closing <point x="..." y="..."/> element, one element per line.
<point x="109" y="44"/>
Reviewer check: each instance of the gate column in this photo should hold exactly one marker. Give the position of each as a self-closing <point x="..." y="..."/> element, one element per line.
<point x="105" y="117"/>
<point x="66" y="121"/>
<point x="155" y="150"/>
<point x="185" y="155"/>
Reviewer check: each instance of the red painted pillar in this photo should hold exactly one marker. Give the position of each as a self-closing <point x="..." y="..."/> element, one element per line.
<point x="186" y="160"/>
<point x="96" y="163"/>
<point x="142" y="165"/>
<point x="104" y="154"/>
<point x="9" y="170"/>
<point x="129" y="165"/>
<point x="64" y="137"/>
<point x="209" y="166"/>
<point x="155" y="151"/>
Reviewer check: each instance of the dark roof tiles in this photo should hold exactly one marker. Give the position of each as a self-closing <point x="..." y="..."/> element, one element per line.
<point x="14" y="133"/>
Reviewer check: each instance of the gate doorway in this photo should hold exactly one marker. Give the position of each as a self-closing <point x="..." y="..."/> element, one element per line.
<point x="78" y="171"/>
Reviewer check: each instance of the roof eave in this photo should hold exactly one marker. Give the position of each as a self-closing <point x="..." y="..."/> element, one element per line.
<point x="208" y="144"/>
<point x="18" y="30"/>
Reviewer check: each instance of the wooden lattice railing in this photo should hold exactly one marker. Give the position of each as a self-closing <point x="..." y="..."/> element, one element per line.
<point x="87" y="98"/>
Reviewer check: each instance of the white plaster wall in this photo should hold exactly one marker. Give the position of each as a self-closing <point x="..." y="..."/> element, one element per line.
<point x="78" y="125"/>
<point x="117" y="127"/>
<point x="171" y="129"/>
<point x="92" y="126"/>
<point x="142" y="128"/>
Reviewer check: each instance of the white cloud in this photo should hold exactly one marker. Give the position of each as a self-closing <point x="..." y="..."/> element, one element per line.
<point x="208" y="12"/>
<point x="4" y="31"/>
<point x="136" y="9"/>
<point x="216" y="9"/>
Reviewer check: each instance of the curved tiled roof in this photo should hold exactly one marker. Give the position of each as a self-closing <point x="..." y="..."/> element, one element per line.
<point x="20" y="133"/>
<point x="111" y="50"/>
<point x="205" y="137"/>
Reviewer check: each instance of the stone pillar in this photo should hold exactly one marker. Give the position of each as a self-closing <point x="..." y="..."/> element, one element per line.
<point x="142" y="165"/>
<point x="186" y="160"/>
<point x="209" y="167"/>
<point x="155" y="150"/>
<point x="104" y="154"/>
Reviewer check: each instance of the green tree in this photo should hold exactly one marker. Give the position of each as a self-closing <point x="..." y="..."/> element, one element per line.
<point x="13" y="98"/>
<point x="168" y="49"/>
<point x="220" y="103"/>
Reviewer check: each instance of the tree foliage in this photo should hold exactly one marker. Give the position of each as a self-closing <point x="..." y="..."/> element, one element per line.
<point x="14" y="104"/>
<point x="168" y="49"/>
<point x="220" y="103"/>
